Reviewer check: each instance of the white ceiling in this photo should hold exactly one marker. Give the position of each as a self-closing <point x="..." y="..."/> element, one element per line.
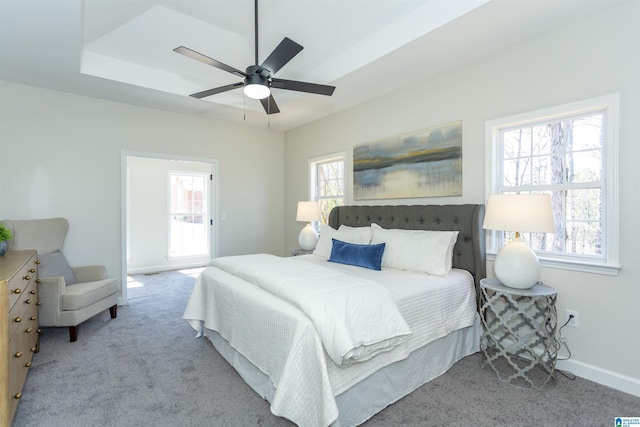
<point x="122" y="50"/>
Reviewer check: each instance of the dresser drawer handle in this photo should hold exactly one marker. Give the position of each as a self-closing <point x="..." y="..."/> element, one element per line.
<point x="27" y="365"/>
<point x="17" y="291"/>
<point x="33" y="292"/>
<point x="38" y="262"/>
<point x="18" y="319"/>
<point x="32" y="270"/>
<point x="39" y="330"/>
<point x="18" y="354"/>
<point x="18" y="395"/>
<point x="37" y="280"/>
<point x="28" y="330"/>
<point x="27" y="277"/>
<point x="28" y="301"/>
<point x="33" y="318"/>
<point x="38" y="303"/>
<point x="33" y="349"/>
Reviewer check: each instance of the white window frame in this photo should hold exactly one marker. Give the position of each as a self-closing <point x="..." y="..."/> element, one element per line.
<point x="610" y="264"/>
<point x="313" y="175"/>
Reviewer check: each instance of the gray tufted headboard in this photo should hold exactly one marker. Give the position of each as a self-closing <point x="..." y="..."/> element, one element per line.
<point x="468" y="254"/>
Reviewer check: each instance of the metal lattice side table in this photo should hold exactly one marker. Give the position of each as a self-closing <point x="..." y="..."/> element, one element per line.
<point x="519" y="327"/>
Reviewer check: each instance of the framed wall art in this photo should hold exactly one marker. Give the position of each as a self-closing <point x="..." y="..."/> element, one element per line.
<point x="424" y="163"/>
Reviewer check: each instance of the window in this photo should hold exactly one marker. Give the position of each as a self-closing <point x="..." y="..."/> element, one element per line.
<point x="188" y="225"/>
<point x="328" y="183"/>
<point x="569" y="152"/>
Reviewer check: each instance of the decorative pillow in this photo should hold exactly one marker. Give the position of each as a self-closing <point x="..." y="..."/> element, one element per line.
<point x="358" y="235"/>
<point x="346" y="227"/>
<point x="54" y="264"/>
<point x="367" y="256"/>
<point x="423" y="251"/>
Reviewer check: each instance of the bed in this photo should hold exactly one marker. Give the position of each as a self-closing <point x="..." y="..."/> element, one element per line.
<point x="276" y="342"/>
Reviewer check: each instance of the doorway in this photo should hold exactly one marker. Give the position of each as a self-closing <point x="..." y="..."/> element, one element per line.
<point x="169" y="206"/>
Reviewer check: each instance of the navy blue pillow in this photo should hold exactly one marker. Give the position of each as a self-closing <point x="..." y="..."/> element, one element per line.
<point x="367" y="256"/>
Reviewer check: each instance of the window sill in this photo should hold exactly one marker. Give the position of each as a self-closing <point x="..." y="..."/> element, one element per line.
<point x="584" y="267"/>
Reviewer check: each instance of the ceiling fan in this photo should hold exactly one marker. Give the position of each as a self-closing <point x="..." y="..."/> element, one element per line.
<point x="258" y="79"/>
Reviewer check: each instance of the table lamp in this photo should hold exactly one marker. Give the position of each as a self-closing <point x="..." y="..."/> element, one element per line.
<point x="516" y="265"/>
<point x="307" y="212"/>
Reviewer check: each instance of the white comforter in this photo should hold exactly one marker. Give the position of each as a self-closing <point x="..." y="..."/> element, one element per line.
<point x="276" y="337"/>
<point x="355" y="317"/>
<point x="281" y="341"/>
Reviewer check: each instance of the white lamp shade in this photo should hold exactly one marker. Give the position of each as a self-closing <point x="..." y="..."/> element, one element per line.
<point x="257" y="91"/>
<point x="308" y="211"/>
<point x="516" y="265"/>
<point x="519" y="212"/>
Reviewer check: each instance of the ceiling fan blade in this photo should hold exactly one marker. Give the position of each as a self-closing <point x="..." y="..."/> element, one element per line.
<point x="302" y="86"/>
<point x="209" y="61"/>
<point x="213" y="91"/>
<point x="270" y="105"/>
<point x="282" y="54"/>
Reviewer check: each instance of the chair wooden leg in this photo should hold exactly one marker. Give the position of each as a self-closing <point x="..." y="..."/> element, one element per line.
<point x="73" y="333"/>
<point x="73" y="330"/>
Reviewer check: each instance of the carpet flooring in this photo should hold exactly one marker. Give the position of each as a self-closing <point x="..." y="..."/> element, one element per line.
<point x="147" y="368"/>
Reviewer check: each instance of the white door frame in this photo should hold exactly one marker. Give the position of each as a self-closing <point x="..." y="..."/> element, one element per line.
<point x="124" y="206"/>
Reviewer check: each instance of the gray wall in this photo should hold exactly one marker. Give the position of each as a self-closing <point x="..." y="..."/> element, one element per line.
<point x="597" y="56"/>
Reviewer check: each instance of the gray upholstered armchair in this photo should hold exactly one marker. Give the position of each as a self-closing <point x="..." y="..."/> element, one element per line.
<point x="68" y="296"/>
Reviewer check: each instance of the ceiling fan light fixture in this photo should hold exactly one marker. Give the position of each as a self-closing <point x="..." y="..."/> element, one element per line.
<point x="256" y="87"/>
<point x="257" y="91"/>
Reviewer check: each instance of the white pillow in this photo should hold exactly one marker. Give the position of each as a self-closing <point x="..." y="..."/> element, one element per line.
<point x="366" y="231"/>
<point x="359" y="235"/>
<point x="423" y="251"/>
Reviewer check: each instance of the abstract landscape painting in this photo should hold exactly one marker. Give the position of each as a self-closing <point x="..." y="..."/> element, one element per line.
<point x="425" y="163"/>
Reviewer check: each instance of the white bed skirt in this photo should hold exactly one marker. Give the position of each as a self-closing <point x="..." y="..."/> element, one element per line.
<point x="379" y="390"/>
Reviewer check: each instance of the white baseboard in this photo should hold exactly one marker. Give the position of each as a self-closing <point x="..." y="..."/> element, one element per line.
<point x="159" y="268"/>
<point x="611" y="379"/>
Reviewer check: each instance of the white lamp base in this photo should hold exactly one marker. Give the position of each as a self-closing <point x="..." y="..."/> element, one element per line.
<point x="516" y="265"/>
<point x="308" y="238"/>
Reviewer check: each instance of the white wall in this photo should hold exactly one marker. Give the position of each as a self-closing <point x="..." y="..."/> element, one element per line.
<point x="598" y="56"/>
<point x="60" y="155"/>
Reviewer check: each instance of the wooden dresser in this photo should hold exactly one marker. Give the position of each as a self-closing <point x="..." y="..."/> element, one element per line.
<point x="18" y="326"/>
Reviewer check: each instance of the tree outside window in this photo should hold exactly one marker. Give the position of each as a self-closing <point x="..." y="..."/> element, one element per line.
<point x="570" y="153"/>
<point x="564" y="159"/>
<point x="328" y="184"/>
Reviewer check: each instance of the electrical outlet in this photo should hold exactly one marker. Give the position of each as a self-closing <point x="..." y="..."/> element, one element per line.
<point x="574" y="321"/>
